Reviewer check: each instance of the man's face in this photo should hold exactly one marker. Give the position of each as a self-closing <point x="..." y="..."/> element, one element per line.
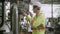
<point x="35" y="10"/>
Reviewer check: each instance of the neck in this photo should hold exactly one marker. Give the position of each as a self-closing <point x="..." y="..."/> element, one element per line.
<point x="37" y="13"/>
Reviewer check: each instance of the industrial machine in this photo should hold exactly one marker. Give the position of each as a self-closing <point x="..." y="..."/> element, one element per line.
<point x="57" y="27"/>
<point x="1" y="16"/>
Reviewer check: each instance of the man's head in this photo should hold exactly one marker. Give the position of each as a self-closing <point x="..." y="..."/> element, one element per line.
<point x="36" y="8"/>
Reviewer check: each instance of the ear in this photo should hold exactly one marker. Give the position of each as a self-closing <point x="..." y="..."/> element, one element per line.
<point x="38" y="8"/>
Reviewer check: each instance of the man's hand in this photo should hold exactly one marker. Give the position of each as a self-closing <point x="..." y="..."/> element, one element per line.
<point x="32" y="21"/>
<point x="41" y="26"/>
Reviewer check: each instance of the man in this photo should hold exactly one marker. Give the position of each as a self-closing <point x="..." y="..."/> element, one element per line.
<point x="38" y="22"/>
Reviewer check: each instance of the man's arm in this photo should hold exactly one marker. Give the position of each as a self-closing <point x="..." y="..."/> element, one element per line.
<point x="39" y="22"/>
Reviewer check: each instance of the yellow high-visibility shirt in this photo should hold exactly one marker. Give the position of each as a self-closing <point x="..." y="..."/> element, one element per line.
<point x="40" y="19"/>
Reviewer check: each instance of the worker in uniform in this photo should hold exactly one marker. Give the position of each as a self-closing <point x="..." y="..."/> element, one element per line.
<point x="38" y="21"/>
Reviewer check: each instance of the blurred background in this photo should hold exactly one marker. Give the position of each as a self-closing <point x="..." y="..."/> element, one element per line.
<point x="13" y="16"/>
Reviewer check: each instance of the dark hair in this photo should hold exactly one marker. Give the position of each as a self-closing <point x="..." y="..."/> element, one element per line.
<point x="36" y="6"/>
